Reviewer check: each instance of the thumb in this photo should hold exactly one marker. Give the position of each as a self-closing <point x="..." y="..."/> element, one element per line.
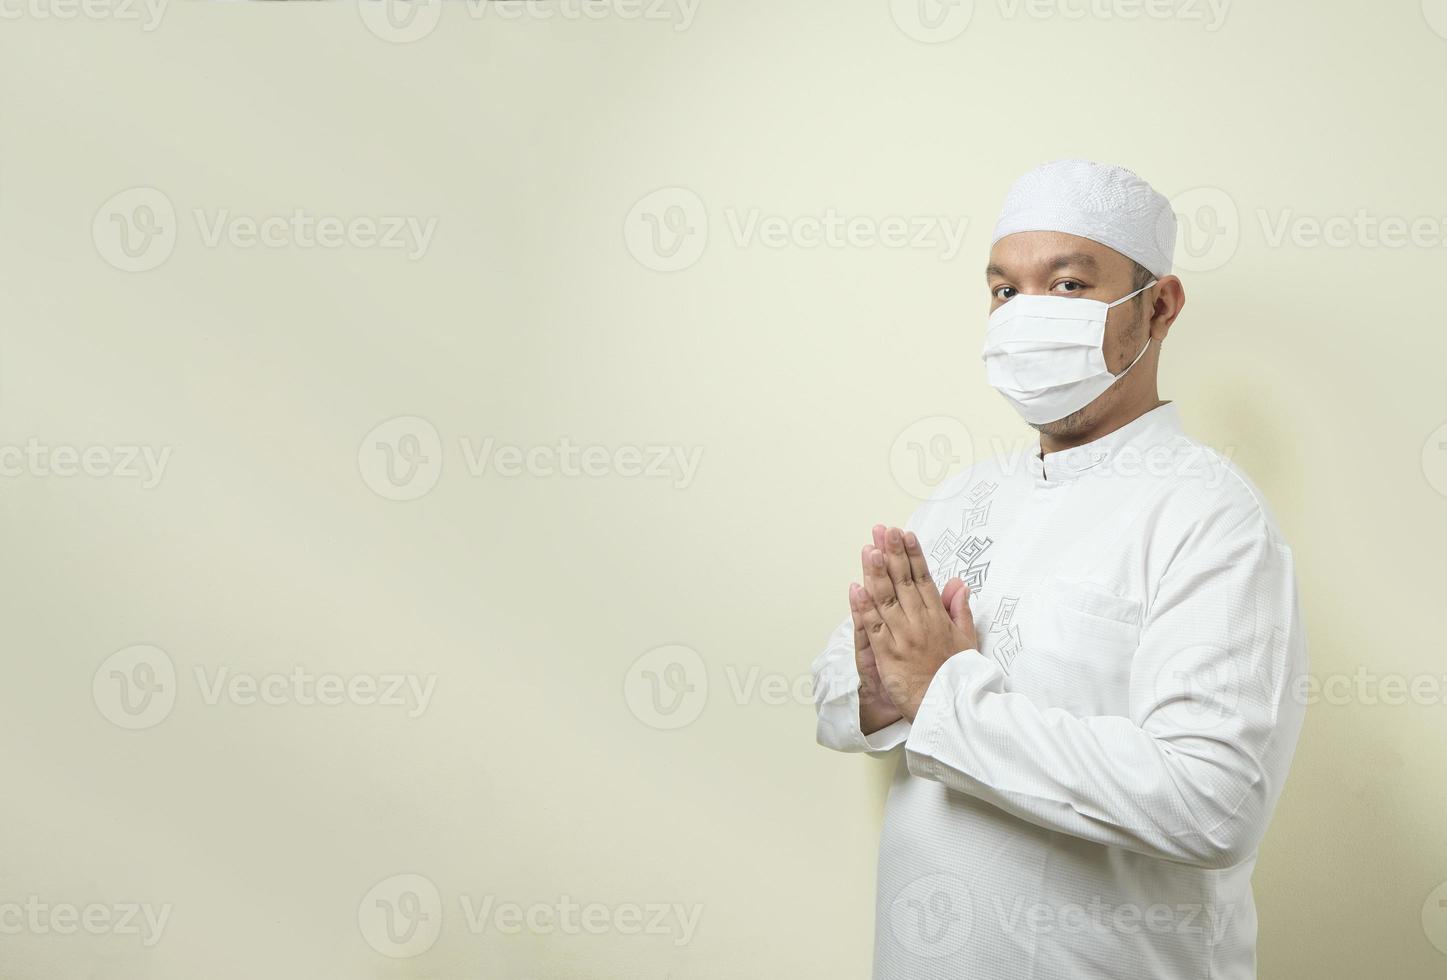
<point x="960" y="606"/>
<point x="947" y="594"/>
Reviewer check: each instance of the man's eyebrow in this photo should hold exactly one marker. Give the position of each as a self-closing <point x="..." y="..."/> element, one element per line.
<point x="1079" y="260"/>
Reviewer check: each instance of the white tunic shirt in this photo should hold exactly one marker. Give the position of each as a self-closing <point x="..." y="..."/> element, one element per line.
<point x="1083" y="796"/>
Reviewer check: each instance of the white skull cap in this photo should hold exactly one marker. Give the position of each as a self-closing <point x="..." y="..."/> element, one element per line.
<point x="1103" y="203"/>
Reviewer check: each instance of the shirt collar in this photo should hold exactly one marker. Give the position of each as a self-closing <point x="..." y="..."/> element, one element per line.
<point x="1159" y="425"/>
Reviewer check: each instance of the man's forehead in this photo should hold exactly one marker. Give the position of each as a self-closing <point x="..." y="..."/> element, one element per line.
<point x="1047" y="251"/>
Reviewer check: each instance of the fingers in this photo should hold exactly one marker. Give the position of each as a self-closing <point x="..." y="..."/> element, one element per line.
<point x="861" y="633"/>
<point x="901" y="574"/>
<point x="919" y="568"/>
<point x="868" y="618"/>
<point x="882" y="591"/>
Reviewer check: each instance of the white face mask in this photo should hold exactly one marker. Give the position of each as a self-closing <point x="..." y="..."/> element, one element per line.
<point x="1044" y="354"/>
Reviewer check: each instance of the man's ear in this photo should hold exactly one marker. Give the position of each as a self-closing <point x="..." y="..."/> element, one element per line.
<point x="1169" y="302"/>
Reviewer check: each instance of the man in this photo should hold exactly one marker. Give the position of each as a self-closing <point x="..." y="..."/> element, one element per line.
<point x="1096" y="711"/>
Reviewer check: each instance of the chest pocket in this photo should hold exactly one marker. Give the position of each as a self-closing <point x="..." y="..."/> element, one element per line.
<point x="1079" y="641"/>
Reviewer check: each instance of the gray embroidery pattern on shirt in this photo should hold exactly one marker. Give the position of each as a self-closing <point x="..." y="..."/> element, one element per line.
<point x="1005" y="613"/>
<point x="962" y="555"/>
<point x="1007" y="648"/>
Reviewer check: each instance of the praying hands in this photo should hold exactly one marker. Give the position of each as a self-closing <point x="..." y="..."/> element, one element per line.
<point x="904" y="628"/>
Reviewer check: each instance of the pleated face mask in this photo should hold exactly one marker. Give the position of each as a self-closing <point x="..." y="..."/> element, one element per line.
<point x="1045" y="353"/>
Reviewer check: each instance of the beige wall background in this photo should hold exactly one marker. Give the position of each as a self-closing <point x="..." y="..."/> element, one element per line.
<point x="262" y="465"/>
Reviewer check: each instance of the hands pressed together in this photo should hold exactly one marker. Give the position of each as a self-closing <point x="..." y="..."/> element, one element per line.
<point x="904" y="628"/>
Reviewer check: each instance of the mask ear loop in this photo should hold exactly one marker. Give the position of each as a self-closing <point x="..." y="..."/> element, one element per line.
<point x="1111" y="306"/>
<point x="1148" y="339"/>
<point x="1137" y="358"/>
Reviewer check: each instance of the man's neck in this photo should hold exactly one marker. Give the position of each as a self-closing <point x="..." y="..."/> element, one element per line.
<point x="1103" y="427"/>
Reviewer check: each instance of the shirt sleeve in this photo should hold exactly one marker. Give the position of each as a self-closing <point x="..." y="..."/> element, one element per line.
<point x="1193" y="774"/>
<point x="836" y="700"/>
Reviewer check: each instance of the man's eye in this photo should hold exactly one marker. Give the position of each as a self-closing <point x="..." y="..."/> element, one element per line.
<point x="1069" y="286"/>
<point x="1002" y="291"/>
